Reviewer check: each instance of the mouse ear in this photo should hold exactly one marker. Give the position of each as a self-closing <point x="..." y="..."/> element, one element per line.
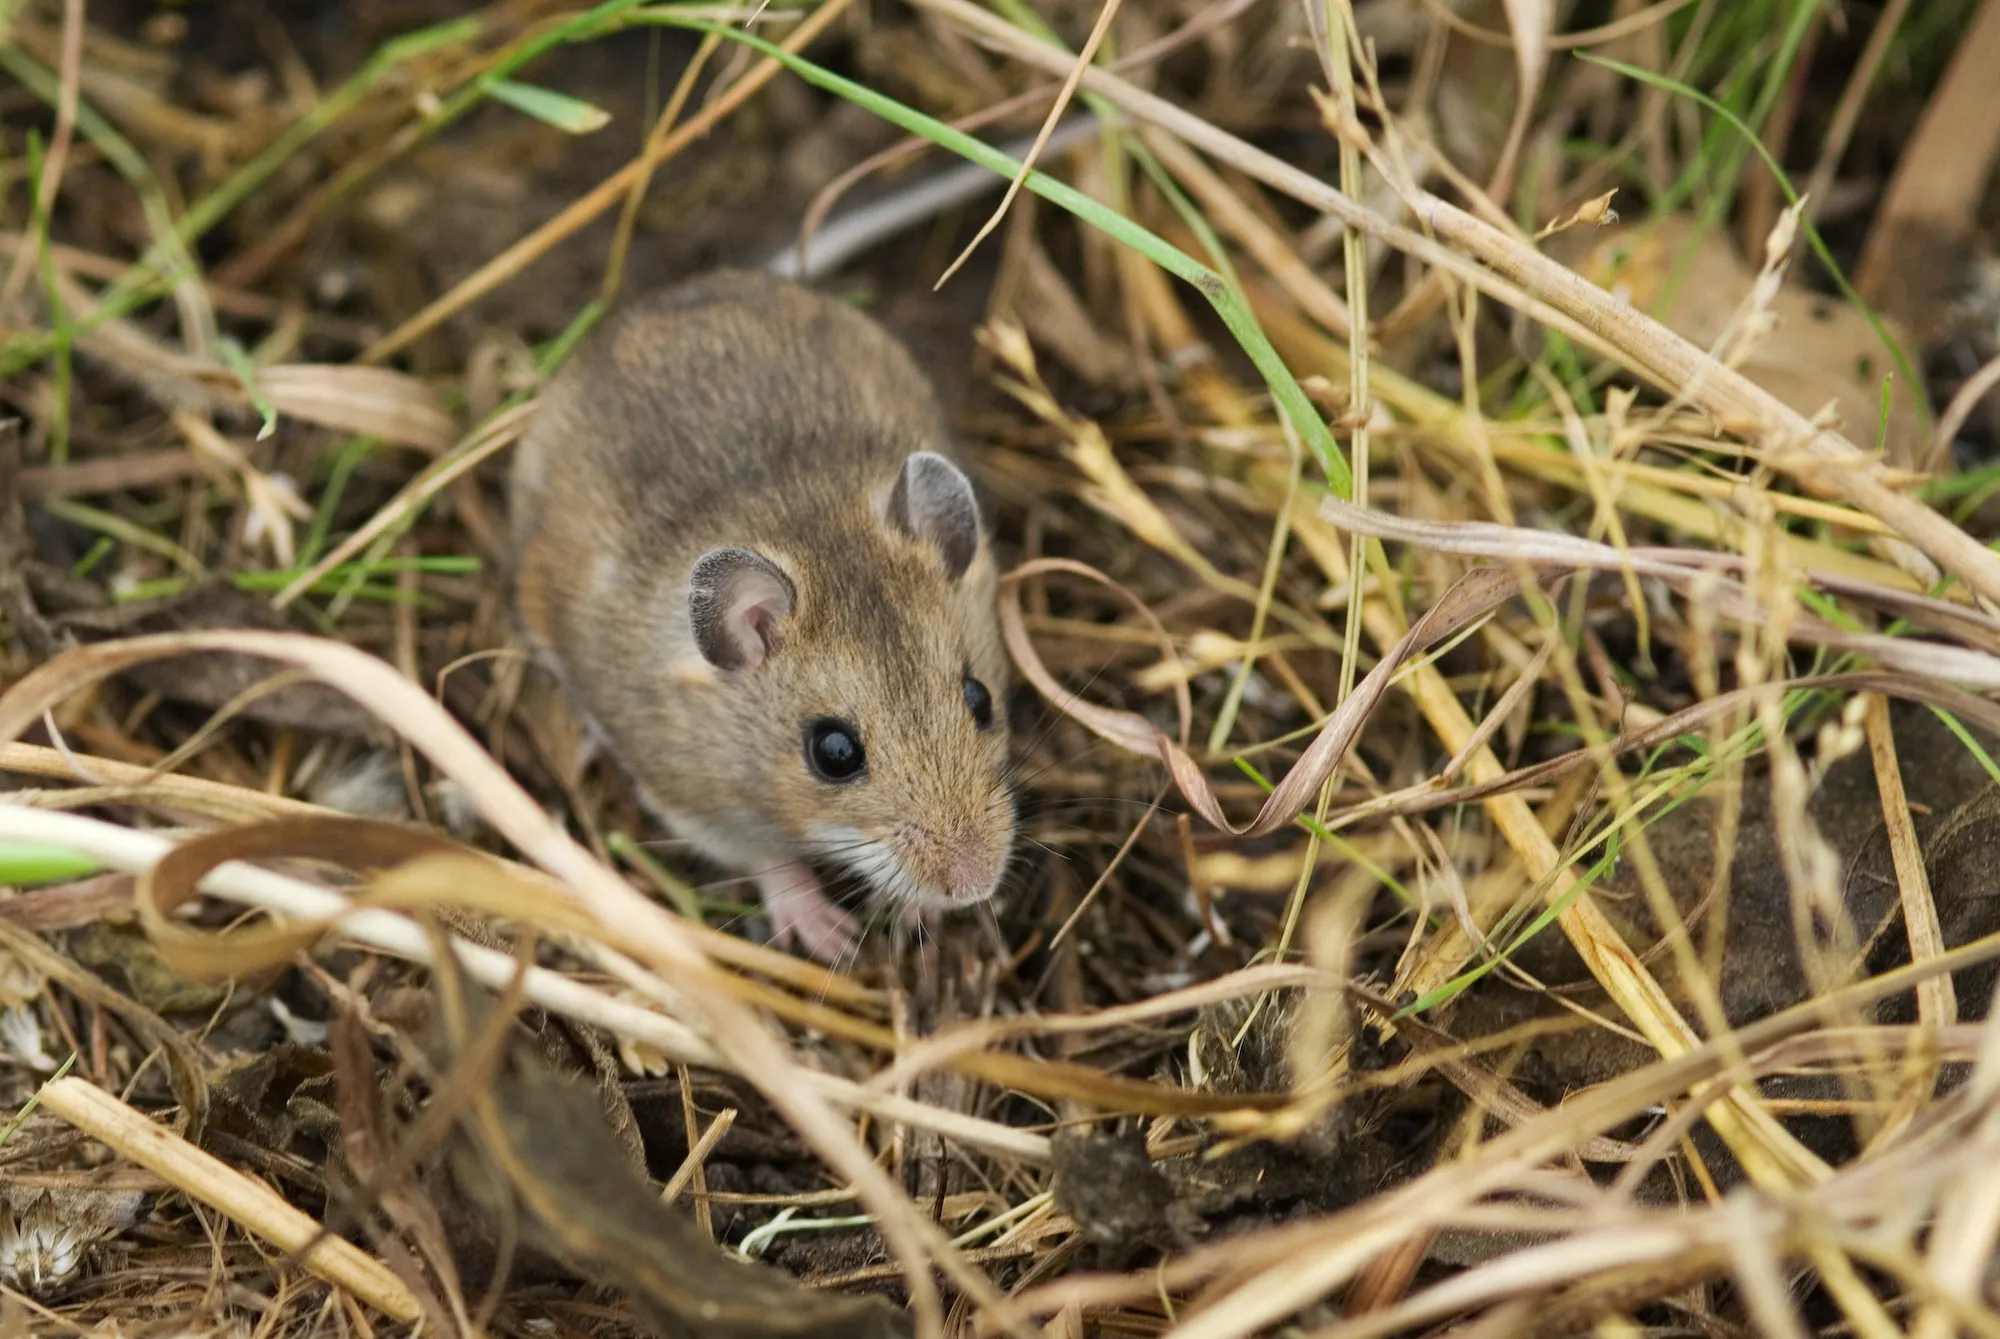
<point x="736" y="601"/>
<point x="933" y="502"/>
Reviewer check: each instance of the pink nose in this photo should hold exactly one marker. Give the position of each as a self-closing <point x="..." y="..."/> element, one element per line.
<point x="971" y="875"/>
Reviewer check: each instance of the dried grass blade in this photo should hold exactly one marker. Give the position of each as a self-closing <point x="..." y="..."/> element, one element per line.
<point x="1937" y="1001"/>
<point x="69" y="75"/>
<point x="35" y="760"/>
<point x="372" y="400"/>
<point x="246" y="950"/>
<point x="1274" y="1273"/>
<point x="1690" y="571"/>
<point x="1098" y="31"/>
<point x="250" y="1204"/>
<point x="378" y="928"/>
<point x="484" y="442"/>
<point x="1531" y="22"/>
<point x="1723" y="706"/>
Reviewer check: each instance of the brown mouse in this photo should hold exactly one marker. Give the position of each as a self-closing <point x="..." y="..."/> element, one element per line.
<point x="742" y="543"/>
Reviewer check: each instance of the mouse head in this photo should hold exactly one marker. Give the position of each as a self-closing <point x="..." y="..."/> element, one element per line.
<point x="864" y="673"/>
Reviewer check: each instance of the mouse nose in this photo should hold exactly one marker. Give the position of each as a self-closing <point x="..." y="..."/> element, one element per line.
<point x="971" y="874"/>
<point x="963" y="866"/>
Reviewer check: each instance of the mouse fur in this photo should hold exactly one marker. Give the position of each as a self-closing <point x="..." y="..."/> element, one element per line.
<point x="736" y="517"/>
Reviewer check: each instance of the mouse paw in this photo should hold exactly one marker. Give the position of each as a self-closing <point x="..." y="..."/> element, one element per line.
<point x="803" y="916"/>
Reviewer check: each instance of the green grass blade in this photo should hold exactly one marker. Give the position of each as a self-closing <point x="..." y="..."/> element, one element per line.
<point x="35" y="1100"/>
<point x="238" y="362"/>
<point x="572" y="116"/>
<point x="26" y="862"/>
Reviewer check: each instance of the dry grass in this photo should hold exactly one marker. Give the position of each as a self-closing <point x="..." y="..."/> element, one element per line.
<point x="1496" y="860"/>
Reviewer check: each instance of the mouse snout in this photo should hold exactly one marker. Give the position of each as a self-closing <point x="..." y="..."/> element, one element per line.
<point x="971" y="874"/>
<point x="963" y="868"/>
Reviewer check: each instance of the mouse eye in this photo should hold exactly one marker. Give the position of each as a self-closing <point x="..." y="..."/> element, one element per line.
<point x="833" y="750"/>
<point x="979" y="702"/>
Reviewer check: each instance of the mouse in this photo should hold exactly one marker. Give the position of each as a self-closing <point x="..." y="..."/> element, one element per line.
<point x="744" y="543"/>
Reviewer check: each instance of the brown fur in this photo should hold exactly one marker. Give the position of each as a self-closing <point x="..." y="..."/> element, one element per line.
<point x="741" y="410"/>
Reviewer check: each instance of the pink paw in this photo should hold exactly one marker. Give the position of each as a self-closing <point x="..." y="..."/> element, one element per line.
<point x="803" y="916"/>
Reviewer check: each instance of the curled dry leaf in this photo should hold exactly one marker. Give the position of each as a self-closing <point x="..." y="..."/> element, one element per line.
<point x="1594" y="213"/>
<point x="122" y="956"/>
<point x="350" y="842"/>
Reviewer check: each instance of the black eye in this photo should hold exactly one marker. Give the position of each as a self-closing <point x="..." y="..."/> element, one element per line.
<point x="833" y="750"/>
<point x="979" y="702"/>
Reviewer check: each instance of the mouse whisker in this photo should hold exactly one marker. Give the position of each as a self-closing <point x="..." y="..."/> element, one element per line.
<point x="1025" y="779"/>
<point x="1043" y="846"/>
<point x="1050" y="720"/>
<point x="1074" y="810"/>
